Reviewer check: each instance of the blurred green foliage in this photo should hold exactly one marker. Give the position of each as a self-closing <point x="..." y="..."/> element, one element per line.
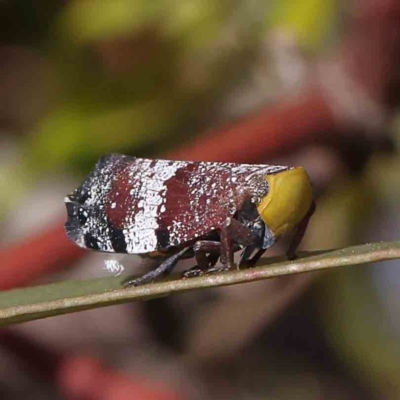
<point x="133" y="76"/>
<point x="304" y="19"/>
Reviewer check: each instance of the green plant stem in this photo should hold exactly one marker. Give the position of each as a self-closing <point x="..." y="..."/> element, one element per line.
<point x="28" y="304"/>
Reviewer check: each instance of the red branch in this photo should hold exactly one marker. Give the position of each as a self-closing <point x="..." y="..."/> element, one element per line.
<point x="41" y="254"/>
<point x="271" y="132"/>
<point x="88" y="378"/>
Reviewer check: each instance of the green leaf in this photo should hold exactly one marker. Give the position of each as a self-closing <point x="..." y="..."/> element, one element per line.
<point x="91" y="20"/>
<point x="308" y="20"/>
<point x="21" y="305"/>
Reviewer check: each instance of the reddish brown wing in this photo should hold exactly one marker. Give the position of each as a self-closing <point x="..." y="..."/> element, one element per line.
<point x="199" y="199"/>
<point x="155" y="204"/>
<point x="134" y="205"/>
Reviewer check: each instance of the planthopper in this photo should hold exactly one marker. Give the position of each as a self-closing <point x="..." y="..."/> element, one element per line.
<point x="170" y="210"/>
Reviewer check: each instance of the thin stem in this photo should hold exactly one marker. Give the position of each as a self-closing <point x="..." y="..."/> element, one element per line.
<point x="61" y="298"/>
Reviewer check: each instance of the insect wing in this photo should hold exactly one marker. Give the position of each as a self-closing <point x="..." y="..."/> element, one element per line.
<point x="135" y="205"/>
<point x="139" y="206"/>
<point x="198" y="199"/>
<point x="159" y="204"/>
<point x="135" y="200"/>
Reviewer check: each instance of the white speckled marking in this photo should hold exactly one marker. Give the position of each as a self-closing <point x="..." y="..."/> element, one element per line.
<point x="100" y="185"/>
<point x="141" y="237"/>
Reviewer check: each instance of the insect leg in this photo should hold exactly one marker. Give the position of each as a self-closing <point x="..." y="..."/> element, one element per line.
<point x="226" y="248"/>
<point x="233" y="233"/>
<point x="201" y="248"/>
<point x="267" y="240"/>
<point x="245" y="256"/>
<point x="253" y="261"/>
<point x="204" y="262"/>
<point x="300" y="230"/>
<point x="244" y="236"/>
<point x="240" y="234"/>
<point x="164" y="268"/>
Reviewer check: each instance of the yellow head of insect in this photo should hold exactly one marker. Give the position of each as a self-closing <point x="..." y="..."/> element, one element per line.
<point x="288" y="200"/>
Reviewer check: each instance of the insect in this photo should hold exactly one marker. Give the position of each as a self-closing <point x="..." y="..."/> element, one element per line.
<point x="170" y="210"/>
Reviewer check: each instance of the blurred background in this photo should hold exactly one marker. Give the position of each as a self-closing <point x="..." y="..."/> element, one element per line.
<point x="299" y="82"/>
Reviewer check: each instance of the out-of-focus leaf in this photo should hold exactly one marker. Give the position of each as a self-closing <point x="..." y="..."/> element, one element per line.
<point x="12" y="186"/>
<point x="85" y="21"/>
<point x="71" y="134"/>
<point x="307" y="20"/>
<point x="195" y="22"/>
<point x="38" y="302"/>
